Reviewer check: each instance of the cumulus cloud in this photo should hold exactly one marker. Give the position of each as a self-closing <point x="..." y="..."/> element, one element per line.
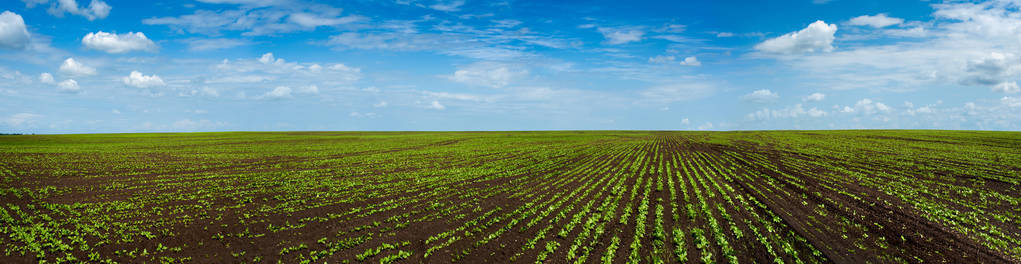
<point x="970" y="44"/>
<point x="818" y="36"/>
<point x="761" y="96"/>
<point x="138" y="80"/>
<point x="272" y="68"/>
<point x="436" y="105"/>
<point x="1006" y="87"/>
<point x="617" y="36"/>
<point x="1011" y="101"/>
<point x="269" y="59"/>
<point x="866" y="106"/>
<point x="488" y="74"/>
<point x="280" y="92"/>
<point x="97" y="9"/>
<point x="691" y="61"/>
<point x="795" y="111"/>
<point x="16" y="120"/>
<point x="13" y="34"/>
<point x="342" y="68"/>
<point x="814" y="97"/>
<point x="68" y="86"/>
<point x="75" y="68"/>
<point x="995" y="70"/>
<point x="46" y="78"/>
<point x="912" y="111"/>
<point x="118" y="43"/>
<point x="876" y="21"/>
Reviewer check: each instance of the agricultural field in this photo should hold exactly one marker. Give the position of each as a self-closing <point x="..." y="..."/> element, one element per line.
<point x="512" y="197"/>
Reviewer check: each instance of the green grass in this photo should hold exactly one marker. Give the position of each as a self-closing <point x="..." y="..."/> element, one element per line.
<point x="561" y="195"/>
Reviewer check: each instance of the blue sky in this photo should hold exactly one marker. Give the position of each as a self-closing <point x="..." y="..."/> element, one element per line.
<point x="89" y="66"/>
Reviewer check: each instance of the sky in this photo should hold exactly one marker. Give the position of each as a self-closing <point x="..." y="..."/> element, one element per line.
<point x="98" y="66"/>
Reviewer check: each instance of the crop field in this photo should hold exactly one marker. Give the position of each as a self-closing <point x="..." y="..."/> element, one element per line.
<point x="520" y="197"/>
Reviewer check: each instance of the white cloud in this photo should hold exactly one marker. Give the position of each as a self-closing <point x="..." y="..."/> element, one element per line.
<point x="268" y="58"/>
<point x="685" y="121"/>
<point x="447" y="5"/>
<point x="240" y="79"/>
<point x="706" y="126"/>
<point x="208" y="91"/>
<point x="866" y="106"/>
<point x="486" y="44"/>
<point x="74" y="68"/>
<point x="616" y="36"/>
<point x="911" y="111"/>
<point x="380" y="104"/>
<point x="1006" y="87"/>
<point x="363" y="115"/>
<point x="280" y="92"/>
<point x="818" y="36"/>
<point x="68" y="86"/>
<point x="13" y="34"/>
<point x="314" y="20"/>
<point x="343" y="68"/>
<point x="506" y="23"/>
<point x="814" y="97"/>
<point x="436" y="105"/>
<point x="972" y="45"/>
<point x="914" y="32"/>
<point x="876" y="21"/>
<point x="136" y="79"/>
<point x="272" y="68"/>
<point x="251" y="3"/>
<point x="457" y="96"/>
<point x="215" y="43"/>
<point x="118" y="43"/>
<point x="97" y="9"/>
<point x="19" y="119"/>
<point x="995" y="70"/>
<point x="795" y="111"/>
<point x="311" y="89"/>
<point x="1011" y="101"/>
<point x="46" y="78"/>
<point x="488" y="74"/>
<point x="661" y="59"/>
<point x="270" y="18"/>
<point x="673" y="28"/>
<point x="691" y="61"/>
<point x="761" y="96"/>
<point x="724" y="35"/>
